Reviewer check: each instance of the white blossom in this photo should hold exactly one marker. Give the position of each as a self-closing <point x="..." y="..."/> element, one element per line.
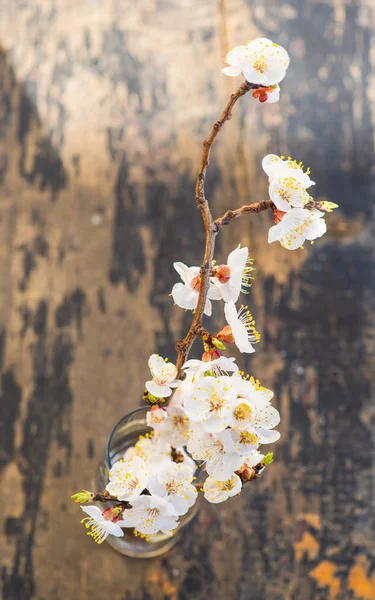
<point x="173" y="483"/>
<point x="261" y="61"/>
<point x="242" y="413"/>
<point x="149" y="515"/>
<point x="253" y="411"/>
<point x="249" y="439"/>
<point x="99" y="526"/>
<point x="175" y="428"/>
<point x="127" y="479"/>
<point x="216" y="491"/>
<point x="237" y="274"/>
<point x="152" y="451"/>
<point x="217" y="451"/>
<point x="287" y="193"/>
<point x="163" y="377"/>
<point x="185" y="294"/>
<point x="243" y="327"/>
<point x="156" y="417"/>
<point x="219" y="366"/>
<point x="277" y="168"/>
<point x="183" y="391"/>
<point x="296" y="226"/>
<point x="211" y="402"/>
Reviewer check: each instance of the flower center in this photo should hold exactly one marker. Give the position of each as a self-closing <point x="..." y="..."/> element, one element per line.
<point x="226" y="486"/>
<point x="216" y="403"/>
<point x="133" y="483"/>
<point x="248" y="438"/>
<point x="260" y="64"/>
<point x="241" y="412"/>
<point x="172" y="487"/>
<point x="178" y="421"/>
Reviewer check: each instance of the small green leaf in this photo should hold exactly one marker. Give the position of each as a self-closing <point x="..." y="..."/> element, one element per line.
<point x="268" y="459"/>
<point x="218" y="344"/>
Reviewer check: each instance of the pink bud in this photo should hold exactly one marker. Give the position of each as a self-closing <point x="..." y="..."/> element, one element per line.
<point x="278" y="215"/>
<point x="222" y="273"/>
<point x="210" y="355"/>
<point x="196" y="283"/>
<point x="111" y="514"/>
<point x="226" y="335"/>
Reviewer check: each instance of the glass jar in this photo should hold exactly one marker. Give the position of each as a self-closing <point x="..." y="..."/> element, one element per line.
<point x="124" y="435"/>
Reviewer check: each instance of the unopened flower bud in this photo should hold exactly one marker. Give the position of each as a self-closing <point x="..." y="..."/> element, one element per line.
<point x="112" y="513"/>
<point x="218" y="344"/>
<point x="246" y="473"/>
<point x="196" y="283"/>
<point x="226" y="335"/>
<point x="209" y="355"/>
<point x="151" y="399"/>
<point x="327" y="206"/>
<point x="278" y="215"/>
<point x="222" y="273"/>
<point x="82" y="497"/>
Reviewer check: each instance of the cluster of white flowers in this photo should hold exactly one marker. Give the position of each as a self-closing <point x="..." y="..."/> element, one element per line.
<point x="157" y="489"/>
<point x="226" y="283"/>
<point x="288" y="185"/>
<point x="222" y="419"/>
<point x="216" y="422"/>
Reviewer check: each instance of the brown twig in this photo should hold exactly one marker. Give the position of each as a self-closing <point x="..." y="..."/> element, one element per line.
<point x="211" y="227"/>
<point x="257" y="207"/>
<point x="105" y="496"/>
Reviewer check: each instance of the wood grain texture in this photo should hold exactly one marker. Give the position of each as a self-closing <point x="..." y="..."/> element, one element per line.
<point x="103" y="107"/>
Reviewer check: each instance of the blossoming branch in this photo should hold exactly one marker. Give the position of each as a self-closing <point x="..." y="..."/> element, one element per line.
<point x="207" y="420"/>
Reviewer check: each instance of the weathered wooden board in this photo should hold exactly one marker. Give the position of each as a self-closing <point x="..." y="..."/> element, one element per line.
<point x="104" y="106"/>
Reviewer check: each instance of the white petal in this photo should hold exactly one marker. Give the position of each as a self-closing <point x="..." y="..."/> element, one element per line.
<point x="253" y="76"/>
<point x="208" y="308"/>
<point x="273" y="97"/>
<point x="193" y="363"/>
<point x="114" y="529"/>
<point x="271" y="163"/>
<point x="317" y="228"/>
<point x="230" y="312"/>
<point x="213" y="292"/>
<point x="184" y="296"/>
<point x="94" y="512"/>
<point x="183" y="271"/>
<point x="155" y="364"/>
<point x="160" y="391"/>
<point x="215" y="424"/>
<point x="231" y="71"/>
<point x="268" y="436"/>
<point x="236" y="55"/>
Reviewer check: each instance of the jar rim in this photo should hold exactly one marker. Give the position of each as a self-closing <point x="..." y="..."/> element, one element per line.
<point x="119" y="422"/>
